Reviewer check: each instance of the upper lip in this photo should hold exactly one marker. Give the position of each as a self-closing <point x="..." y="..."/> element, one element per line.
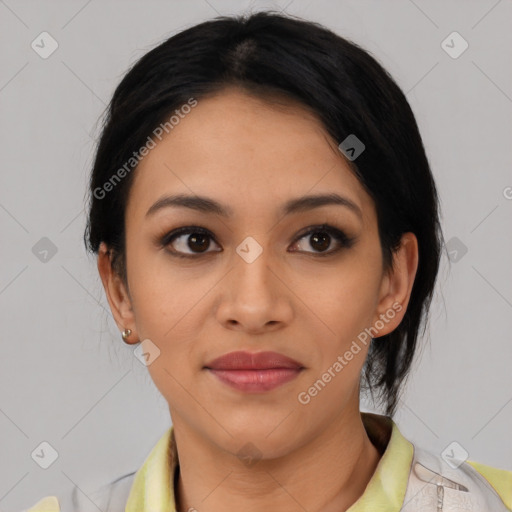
<point x="241" y="360"/>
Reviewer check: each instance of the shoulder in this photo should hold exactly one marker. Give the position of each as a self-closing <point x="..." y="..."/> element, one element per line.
<point x="499" y="479"/>
<point x="457" y="484"/>
<point x="47" y="504"/>
<point x="111" y="497"/>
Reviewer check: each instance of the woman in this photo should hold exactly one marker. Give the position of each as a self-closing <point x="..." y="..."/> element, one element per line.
<point x="267" y="227"/>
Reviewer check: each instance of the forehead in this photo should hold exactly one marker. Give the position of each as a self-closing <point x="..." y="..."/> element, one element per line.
<point x="244" y="151"/>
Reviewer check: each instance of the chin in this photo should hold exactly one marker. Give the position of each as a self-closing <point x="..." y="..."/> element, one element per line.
<point x="262" y="438"/>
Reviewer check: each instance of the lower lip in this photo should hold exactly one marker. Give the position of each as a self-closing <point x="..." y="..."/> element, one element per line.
<point x="256" y="381"/>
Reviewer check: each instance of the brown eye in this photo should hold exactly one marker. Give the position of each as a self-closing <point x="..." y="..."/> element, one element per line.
<point x="193" y="241"/>
<point x="198" y="241"/>
<point x="188" y="241"/>
<point x="320" y="238"/>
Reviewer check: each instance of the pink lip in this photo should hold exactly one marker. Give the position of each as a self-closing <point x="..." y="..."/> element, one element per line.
<point x="254" y="372"/>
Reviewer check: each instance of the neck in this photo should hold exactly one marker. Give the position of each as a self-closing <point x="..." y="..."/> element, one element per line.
<point x="328" y="473"/>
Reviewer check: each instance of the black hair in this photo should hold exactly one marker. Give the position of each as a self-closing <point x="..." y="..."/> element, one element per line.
<point x="269" y="54"/>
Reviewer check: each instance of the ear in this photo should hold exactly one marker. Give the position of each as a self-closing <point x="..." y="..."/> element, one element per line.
<point x="396" y="286"/>
<point x="117" y="295"/>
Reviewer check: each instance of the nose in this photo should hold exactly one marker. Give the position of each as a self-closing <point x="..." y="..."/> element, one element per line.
<point x="254" y="296"/>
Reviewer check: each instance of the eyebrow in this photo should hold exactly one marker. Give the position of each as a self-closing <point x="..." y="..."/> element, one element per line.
<point x="208" y="205"/>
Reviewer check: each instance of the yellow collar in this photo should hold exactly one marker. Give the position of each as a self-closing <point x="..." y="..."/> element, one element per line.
<point x="152" y="488"/>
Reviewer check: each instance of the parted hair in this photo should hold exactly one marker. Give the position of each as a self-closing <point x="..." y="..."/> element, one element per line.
<point x="269" y="54"/>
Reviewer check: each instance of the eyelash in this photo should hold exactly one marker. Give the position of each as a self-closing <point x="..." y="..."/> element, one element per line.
<point x="344" y="240"/>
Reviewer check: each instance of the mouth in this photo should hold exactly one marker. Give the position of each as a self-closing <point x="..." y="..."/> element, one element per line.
<point x="254" y="372"/>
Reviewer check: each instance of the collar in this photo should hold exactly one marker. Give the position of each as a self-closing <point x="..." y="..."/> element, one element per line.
<point x="153" y="488"/>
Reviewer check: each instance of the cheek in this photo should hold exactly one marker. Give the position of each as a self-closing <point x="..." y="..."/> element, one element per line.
<point x="345" y="296"/>
<point x="346" y="307"/>
<point x="164" y="295"/>
<point x="165" y="308"/>
<point x="340" y="343"/>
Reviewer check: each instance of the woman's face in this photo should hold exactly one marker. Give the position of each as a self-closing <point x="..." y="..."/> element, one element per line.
<point x="256" y="281"/>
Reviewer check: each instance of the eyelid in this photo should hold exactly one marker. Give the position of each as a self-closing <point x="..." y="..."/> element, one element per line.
<point x="338" y="234"/>
<point x="168" y="237"/>
<point x="175" y="233"/>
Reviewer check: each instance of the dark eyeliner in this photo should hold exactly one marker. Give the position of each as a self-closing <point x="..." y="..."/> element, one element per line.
<point x="346" y="242"/>
<point x="169" y="237"/>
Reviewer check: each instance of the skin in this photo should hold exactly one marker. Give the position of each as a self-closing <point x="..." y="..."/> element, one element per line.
<point x="252" y="156"/>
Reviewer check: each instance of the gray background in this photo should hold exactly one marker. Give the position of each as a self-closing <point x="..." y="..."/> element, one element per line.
<point x="67" y="378"/>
